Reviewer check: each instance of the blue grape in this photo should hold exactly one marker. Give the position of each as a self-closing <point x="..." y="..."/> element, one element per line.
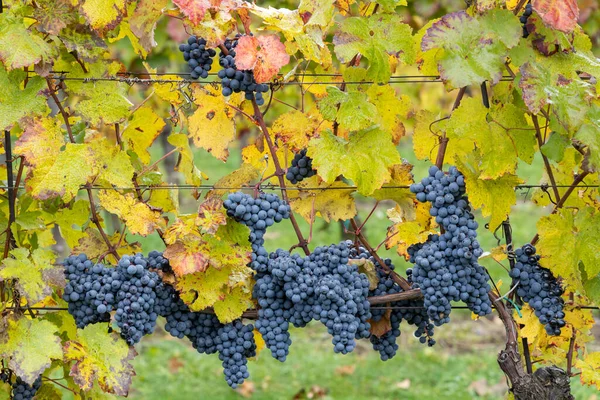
<point x="301" y="168"/>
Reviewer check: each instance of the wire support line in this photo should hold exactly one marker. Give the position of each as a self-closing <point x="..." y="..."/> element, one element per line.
<point x="275" y="187"/>
<point x="24" y="308"/>
<point x="145" y="81"/>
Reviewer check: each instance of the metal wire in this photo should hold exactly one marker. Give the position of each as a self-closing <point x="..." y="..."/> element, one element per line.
<point x="273" y="187"/>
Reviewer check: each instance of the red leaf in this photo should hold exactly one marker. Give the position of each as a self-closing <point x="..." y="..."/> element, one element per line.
<point x="265" y="55"/>
<point x="193" y="9"/>
<point x="558" y="14"/>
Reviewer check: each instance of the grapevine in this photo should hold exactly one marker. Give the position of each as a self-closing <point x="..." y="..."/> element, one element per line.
<point x="144" y="197"/>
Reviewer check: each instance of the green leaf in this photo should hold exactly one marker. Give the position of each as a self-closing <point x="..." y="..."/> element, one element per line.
<point x="35" y="273"/>
<point x="30" y="345"/>
<point x="589" y="134"/>
<point x="41" y="140"/>
<point x="15" y="102"/>
<point x="501" y="133"/>
<point x="143" y="20"/>
<point x="99" y="355"/>
<point x="494" y="196"/>
<point x="375" y="37"/>
<point x="392" y="109"/>
<point x="19" y="46"/>
<point x="592" y="289"/>
<point x="365" y="158"/>
<point x="568" y="240"/>
<point x="352" y="110"/>
<point x="555" y="147"/>
<point x="474" y="49"/>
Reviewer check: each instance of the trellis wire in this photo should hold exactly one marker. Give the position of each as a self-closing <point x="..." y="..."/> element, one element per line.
<point x="277" y="187"/>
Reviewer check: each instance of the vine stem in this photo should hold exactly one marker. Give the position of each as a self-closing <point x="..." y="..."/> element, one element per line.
<point x="570" y="354"/>
<point x="10" y="240"/>
<point x="279" y="172"/>
<point x="538" y="135"/>
<point x="155" y="163"/>
<point x="95" y="220"/>
<point x="439" y="160"/>
<point x="403" y="283"/>
<point x="578" y="179"/>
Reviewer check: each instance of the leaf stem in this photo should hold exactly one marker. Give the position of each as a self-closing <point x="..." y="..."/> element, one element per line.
<point x="538" y="135"/>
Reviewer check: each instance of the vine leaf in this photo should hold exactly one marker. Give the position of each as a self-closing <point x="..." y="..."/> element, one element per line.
<point x="103" y="16"/>
<point x="365" y="158"/>
<point x="351" y="109"/>
<point x="16" y="103"/>
<point x="143" y="128"/>
<point x="474" y="49"/>
<point x="588" y="134"/>
<point x="333" y="203"/>
<point x="211" y="215"/>
<point x="86" y="97"/>
<point x="20" y="47"/>
<point x="391" y="109"/>
<point x="63" y="175"/>
<point x="30" y="345"/>
<point x="375" y="38"/>
<point x="93" y="245"/>
<point x="185" y="163"/>
<point x="231" y="182"/>
<point x="190" y="250"/>
<point x="367" y="267"/>
<point x="53" y="16"/>
<point x="590" y="367"/>
<point x="296" y="128"/>
<point x="143" y="20"/>
<point x="558" y="14"/>
<point x="501" y="133"/>
<point x="34" y="272"/>
<point x="216" y="25"/>
<point x="101" y="356"/>
<point x="568" y="244"/>
<point x="40" y="142"/>
<point x="265" y="55"/>
<point x="494" y="196"/>
<point x="212" y="127"/>
<point x="408" y="230"/>
<point x="71" y="220"/>
<point x="400" y="175"/>
<point x="139" y="218"/>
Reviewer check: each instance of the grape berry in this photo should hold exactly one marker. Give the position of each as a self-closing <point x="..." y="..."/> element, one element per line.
<point x="198" y="57"/>
<point x="301" y="168"/>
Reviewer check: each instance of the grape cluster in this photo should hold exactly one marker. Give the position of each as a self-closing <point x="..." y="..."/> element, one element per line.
<point x="445" y="267"/>
<point x="156" y="262"/>
<point x="90" y="290"/>
<point x="21" y="390"/>
<point x="301" y="168"/>
<point x="198" y="57"/>
<point x="235" y="343"/>
<point x="135" y="298"/>
<point x="539" y="288"/>
<point x="524" y="17"/>
<point x="411" y="311"/>
<point x="236" y="81"/>
<point x="297" y="290"/>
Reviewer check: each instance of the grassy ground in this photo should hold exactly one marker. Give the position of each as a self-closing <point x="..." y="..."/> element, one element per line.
<point x="461" y="366"/>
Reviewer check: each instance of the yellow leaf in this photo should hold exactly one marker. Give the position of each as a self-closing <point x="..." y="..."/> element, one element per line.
<point x="406" y="233"/>
<point x="231" y="306"/>
<point x="497" y="253"/>
<point x="143" y="128"/>
<point x="30" y="345"/>
<point x="101" y="356"/>
<point x="494" y="196"/>
<point x="40" y="142"/>
<point x="391" y="108"/>
<point x="261" y="160"/>
<point x="296" y="128"/>
<point x="400" y="175"/>
<point x="212" y="126"/>
<point x="103" y="15"/>
<point x="332" y="203"/>
<point x="138" y="217"/>
<point x="590" y="369"/>
<point x="233" y="181"/>
<point x="185" y="163"/>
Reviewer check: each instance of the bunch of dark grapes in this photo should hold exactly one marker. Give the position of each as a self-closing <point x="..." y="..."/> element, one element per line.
<point x="21" y="390"/>
<point x="198" y="57"/>
<point x="539" y="288"/>
<point x="524" y="17"/>
<point x="235" y="344"/>
<point x="157" y="262"/>
<point x="301" y="168"/>
<point x="90" y="290"/>
<point x="236" y="81"/>
<point x="445" y="267"/>
<point x="258" y="214"/>
<point x="136" y="298"/>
